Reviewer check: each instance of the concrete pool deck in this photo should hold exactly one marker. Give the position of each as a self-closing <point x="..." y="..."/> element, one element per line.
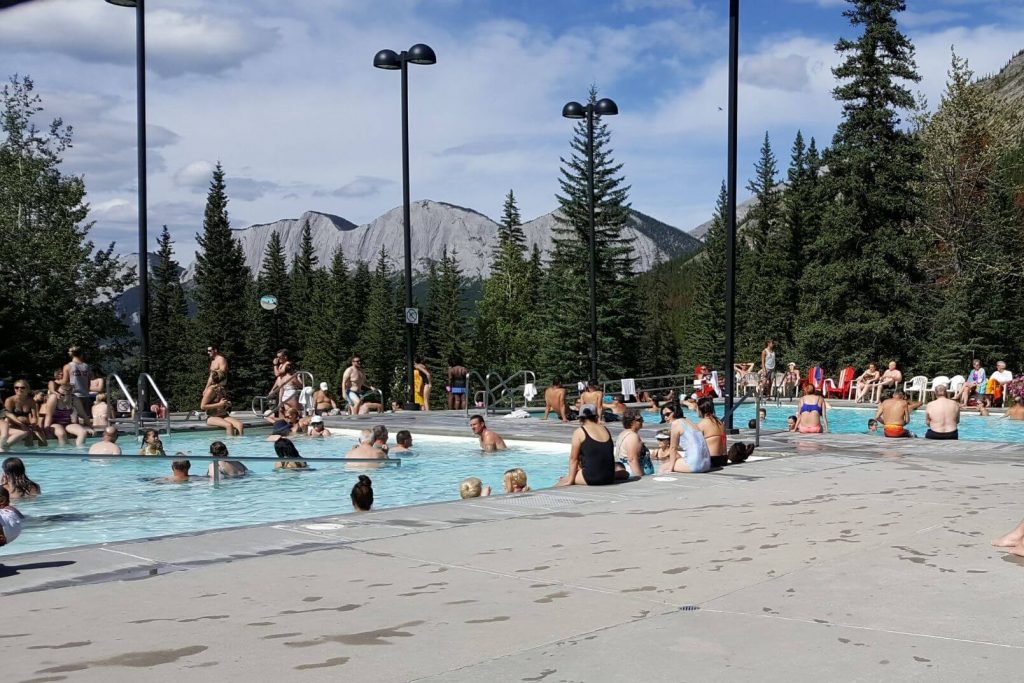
<point x="842" y="558"/>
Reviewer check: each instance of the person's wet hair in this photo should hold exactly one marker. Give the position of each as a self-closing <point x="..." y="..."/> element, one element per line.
<point x="739" y="452"/>
<point x="515" y="478"/>
<point x="380" y="433"/>
<point x="218" y="449"/>
<point x="752" y="424"/>
<point x="403" y="438"/>
<point x="362" y="494"/>
<point x="477" y="417"/>
<point x="14" y="471"/>
<point x="284" y="448"/>
<point x="471" y="487"/>
<point x="217" y="376"/>
<point x="181" y="466"/>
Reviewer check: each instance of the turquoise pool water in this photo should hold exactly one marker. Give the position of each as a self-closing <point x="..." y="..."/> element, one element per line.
<point x="973" y="427"/>
<point x="86" y="502"/>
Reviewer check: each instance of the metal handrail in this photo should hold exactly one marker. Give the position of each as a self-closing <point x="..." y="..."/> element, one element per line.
<point x="115" y="379"/>
<point x="469" y="374"/>
<point x="529" y="377"/>
<point x="146" y="377"/>
<point x="641" y="383"/>
<point x="302" y="374"/>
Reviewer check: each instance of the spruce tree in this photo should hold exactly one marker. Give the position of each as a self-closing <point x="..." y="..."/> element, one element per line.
<point x="381" y="340"/>
<point x="504" y="309"/>
<point x="703" y="331"/>
<point x="566" y="339"/>
<point x="767" y="268"/>
<point x="857" y="290"/>
<point x="974" y="243"/>
<point x="329" y="338"/>
<point x="306" y="290"/>
<point x="659" y="347"/>
<point x="225" y="297"/>
<point x="172" y="347"/>
<point x="275" y="327"/>
<point x="445" y="312"/>
<point x="801" y="200"/>
<point x="59" y="290"/>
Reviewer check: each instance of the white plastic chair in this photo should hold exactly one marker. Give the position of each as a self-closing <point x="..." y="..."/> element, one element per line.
<point x="956" y="384"/>
<point x="917" y="385"/>
<point x="939" y="379"/>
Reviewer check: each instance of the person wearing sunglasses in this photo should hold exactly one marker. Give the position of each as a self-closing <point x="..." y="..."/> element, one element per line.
<point x="22" y="415"/>
<point x="218" y="363"/>
<point x="60" y="417"/>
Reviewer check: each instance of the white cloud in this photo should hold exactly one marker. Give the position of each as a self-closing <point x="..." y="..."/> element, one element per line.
<point x="176" y="42"/>
<point x="362" y="186"/>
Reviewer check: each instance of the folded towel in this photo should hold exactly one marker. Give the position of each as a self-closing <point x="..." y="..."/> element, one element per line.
<point x="714" y="383"/>
<point x="628" y="388"/>
<point x="530" y="391"/>
<point x="582" y="386"/>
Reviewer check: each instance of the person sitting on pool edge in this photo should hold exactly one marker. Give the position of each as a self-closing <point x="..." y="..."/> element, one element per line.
<point x="489" y="441"/>
<point x="592" y="455"/>
<point x="228" y="468"/>
<point x="472" y="487"/>
<point x="284" y="448"/>
<point x="942" y="416"/>
<point x="894" y="414"/>
<point x="362" y="494"/>
<point x="403" y="441"/>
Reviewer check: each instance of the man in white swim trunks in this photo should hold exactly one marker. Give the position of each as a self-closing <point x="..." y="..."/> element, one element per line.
<point x="351" y="382"/>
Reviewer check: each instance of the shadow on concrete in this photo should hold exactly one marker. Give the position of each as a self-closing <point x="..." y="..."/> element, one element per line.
<point x="15" y="569"/>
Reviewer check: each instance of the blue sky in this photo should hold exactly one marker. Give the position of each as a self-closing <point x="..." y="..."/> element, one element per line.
<point x="284" y="95"/>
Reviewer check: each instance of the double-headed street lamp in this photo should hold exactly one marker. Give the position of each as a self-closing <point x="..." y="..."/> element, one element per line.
<point x="140" y="95"/>
<point x="393" y="61"/>
<point x="575" y="110"/>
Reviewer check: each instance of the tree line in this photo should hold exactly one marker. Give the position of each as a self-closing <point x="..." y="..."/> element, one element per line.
<point x="900" y="240"/>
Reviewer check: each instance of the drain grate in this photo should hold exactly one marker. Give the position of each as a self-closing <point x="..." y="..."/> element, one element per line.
<point x="689" y="608"/>
<point x="538" y="501"/>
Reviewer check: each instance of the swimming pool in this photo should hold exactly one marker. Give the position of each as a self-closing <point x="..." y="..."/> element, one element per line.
<point x="94" y="501"/>
<point x="843" y="420"/>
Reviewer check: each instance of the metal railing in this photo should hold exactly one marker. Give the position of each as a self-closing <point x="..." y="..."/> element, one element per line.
<point x="146" y="378"/>
<point x="473" y="399"/>
<point x="659" y="383"/>
<point x="114" y="380"/>
<point x="507" y="390"/>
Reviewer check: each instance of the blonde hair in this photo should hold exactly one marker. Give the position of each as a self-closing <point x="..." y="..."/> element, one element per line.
<point x="515" y="478"/>
<point x="470" y="487"/>
<point x="100" y="398"/>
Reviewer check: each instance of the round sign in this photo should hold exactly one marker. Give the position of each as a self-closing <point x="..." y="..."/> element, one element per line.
<point x="268" y="302"/>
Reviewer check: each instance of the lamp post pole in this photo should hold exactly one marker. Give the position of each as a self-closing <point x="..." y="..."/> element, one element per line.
<point x="575" y="110"/>
<point x="593" y="243"/>
<point x="730" y="229"/>
<point x="140" y="96"/>
<point x="391" y="60"/>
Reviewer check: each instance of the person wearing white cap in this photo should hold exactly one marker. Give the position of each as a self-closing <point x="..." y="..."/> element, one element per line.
<point x="322" y="401"/>
<point x="317" y="427"/>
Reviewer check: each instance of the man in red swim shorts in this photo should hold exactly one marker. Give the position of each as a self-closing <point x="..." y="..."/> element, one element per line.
<point x="894" y="414"/>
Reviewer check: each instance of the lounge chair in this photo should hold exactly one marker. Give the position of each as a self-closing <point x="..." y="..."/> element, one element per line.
<point x="917" y="385"/>
<point x="844" y="387"/>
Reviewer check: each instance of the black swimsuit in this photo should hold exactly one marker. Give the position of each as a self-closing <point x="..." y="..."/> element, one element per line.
<point x="597" y="460"/>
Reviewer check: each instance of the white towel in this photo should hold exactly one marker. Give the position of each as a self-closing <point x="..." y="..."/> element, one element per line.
<point x="582" y="386"/>
<point x="529" y="391"/>
<point x="628" y="388"/>
<point x="714" y="383"/>
<point x="306" y="399"/>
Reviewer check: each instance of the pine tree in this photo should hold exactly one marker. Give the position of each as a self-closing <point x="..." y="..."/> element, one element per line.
<point x="703" y="338"/>
<point x="306" y="289"/>
<point x="502" y="336"/>
<point x="767" y="269"/>
<point x="974" y="243"/>
<point x="444" y="311"/>
<point x="330" y="336"/>
<point x="566" y="339"/>
<point x="172" y="340"/>
<point x="225" y="296"/>
<point x="275" y="327"/>
<point x="659" y="347"/>
<point x="381" y="338"/>
<point x="59" y="290"/>
<point x="801" y="200"/>
<point x="857" y="290"/>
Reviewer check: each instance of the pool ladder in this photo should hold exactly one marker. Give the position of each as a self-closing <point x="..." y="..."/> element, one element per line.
<point x="136" y="417"/>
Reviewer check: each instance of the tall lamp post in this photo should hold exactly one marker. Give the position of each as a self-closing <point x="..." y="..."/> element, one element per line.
<point x="393" y="61"/>
<point x="140" y="96"/>
<point x="575" y="110"/>
<point x="730" y="221"/>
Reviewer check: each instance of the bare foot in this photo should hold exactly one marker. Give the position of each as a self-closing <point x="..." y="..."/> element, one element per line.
<point x="1009" y="540"/>
<point x="1018" y="549"/>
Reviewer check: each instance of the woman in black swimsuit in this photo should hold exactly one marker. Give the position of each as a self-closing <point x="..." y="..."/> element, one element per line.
<point x="592" y="456"/>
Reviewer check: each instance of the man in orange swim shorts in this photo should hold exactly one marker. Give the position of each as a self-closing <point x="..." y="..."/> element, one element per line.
<point x="894" y="414"/>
